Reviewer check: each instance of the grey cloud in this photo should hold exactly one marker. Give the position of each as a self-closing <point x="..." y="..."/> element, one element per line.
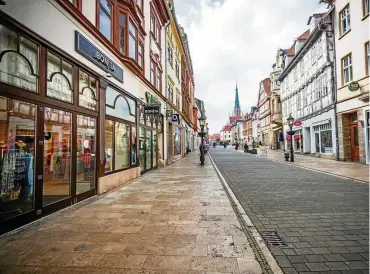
<point x="237" y="39"/>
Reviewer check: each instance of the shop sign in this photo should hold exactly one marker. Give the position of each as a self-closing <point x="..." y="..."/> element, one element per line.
<point x="297" y="123"/>
<point x="175" y="118"/>
<point x="169" y="113"/>
<point x="152" y="110"/>
<point x="151" y="99"/>
<point x="354" y="86"/>
<point x="87" y="49"/>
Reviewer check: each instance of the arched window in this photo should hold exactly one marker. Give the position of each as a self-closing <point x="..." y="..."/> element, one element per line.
<point x="18" y="60"/>
<point x="87" y="91"/>
<point x="59" y="78"/>
<point x="120" y="106"/>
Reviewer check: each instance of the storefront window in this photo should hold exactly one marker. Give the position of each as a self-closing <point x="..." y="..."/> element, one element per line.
<point x="120" y="106"/>
<point x="18" y="65"/>
<point x="142" y="148"/>
<point x="87" y="86"/>
<point x="17" y="157"/>
<point x="149" y="144"/>
<point x="326" y="141"/>
<point x="59" y="78"/>
<point x="57" y="155"/>
<point x="133" y="146"/>
<point x="323" y="138"/>
<point x="122" y="146"/>
<point x="108" y="147"/>
<point x="154" y="148"/>
<point x="177" y="141"/>
<point x="86" y="153"/>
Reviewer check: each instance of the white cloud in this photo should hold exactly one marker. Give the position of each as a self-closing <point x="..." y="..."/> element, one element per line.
<point x="238" y="39"/>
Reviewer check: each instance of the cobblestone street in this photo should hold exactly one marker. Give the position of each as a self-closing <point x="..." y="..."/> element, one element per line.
<point x="323" y="219"/>
<point x="174" y="220"/>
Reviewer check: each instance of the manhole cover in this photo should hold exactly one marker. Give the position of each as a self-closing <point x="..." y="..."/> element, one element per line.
<point x="272" y="238"/>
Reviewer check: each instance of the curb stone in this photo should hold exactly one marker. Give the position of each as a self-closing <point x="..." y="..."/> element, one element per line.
<point x="260" y="249"/>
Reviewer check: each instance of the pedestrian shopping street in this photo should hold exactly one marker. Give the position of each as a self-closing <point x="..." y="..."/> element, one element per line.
<point x="323" y="220"/>
<point x="174" y="220"/>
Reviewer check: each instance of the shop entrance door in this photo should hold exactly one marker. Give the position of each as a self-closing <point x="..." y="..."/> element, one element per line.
<point x="142" y="149"/>
<point x="69" y="158"/>
<point x="355" y="151"/>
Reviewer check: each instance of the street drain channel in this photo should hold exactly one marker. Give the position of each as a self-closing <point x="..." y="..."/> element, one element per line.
<point x="272" y="238"/>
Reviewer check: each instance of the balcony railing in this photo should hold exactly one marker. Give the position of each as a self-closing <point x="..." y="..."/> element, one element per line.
<point x="277" y="118"/>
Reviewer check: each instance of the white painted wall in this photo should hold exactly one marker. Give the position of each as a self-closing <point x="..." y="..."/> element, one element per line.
<point x="353" y="42"/>
<point x="89" y="10"/>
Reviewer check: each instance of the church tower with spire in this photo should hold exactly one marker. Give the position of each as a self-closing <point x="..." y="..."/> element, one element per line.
<point x="237" y="111"/>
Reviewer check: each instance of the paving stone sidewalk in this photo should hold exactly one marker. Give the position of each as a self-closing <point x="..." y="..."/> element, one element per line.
<point x="323" y="219"/>
<point x="174" y="220"/>
<point x="352" y="170"/>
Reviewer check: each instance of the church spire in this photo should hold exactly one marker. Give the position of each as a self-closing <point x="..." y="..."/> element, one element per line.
<point x="237" y="111"/>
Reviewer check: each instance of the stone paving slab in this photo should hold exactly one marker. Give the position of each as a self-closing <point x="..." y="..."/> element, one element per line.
<point x="323" y="219"/>
<point x="175" y="220"/>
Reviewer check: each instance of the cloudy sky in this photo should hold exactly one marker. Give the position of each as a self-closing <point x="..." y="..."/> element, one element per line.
<point x="238" y="39"/>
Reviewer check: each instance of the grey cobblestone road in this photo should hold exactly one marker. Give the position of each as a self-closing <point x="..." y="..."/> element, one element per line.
<point x="324" y="220"/>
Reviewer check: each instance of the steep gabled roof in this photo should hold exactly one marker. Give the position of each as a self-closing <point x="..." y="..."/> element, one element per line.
<point x="291" y="51"/>
<point x="234" y="118"/>
<point x="304" y="36"/>
<point x="267" y="85"/>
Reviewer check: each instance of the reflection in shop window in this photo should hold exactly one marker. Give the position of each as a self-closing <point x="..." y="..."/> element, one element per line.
<point x="108" y="147"/>
<point x="19" y="59"/>
<point x="59" y="79"/>
<point x="120" y="106"/>
<point x="177" y="141"/>
<point x="57" y="155"/>
<point x="87" y="86"/>
<point x="122" y="146"/>
<point x="86" y="153"/>
<point x="133" y="146"/>
<point x="17" y="157"/>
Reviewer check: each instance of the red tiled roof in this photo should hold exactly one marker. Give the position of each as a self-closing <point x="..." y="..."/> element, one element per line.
<point x="267" y="85"/>
<point x="226" y="127"/>
<point x="234" y="118"/>
<point x="304" y="36"/>
<point x="291" y="52"/>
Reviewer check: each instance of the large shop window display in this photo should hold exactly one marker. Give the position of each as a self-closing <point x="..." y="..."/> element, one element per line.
<point x="177" y="141"/>
<point x="150" y="130"/>
<point x="120" y="131"/>
<point x="17" y="154"/>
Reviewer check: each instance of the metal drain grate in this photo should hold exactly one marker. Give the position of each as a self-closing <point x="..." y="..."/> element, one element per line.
<point x="272" y="238"/>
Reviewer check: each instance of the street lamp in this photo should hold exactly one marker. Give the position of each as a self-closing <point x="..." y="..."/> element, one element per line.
<point x="290" y="121"/>
<point x="202" y="123"/>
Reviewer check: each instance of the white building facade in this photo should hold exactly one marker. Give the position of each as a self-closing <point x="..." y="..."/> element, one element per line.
<point x="307" y="91"/>
<point x="352" y="36"/>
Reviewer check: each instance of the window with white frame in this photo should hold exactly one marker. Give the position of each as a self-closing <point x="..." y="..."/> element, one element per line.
<point x="347" y="69"/>
<point x="313" y="54"/>
<point x="301" y="66"/>
<point x="325" y="84"/>
<point x="304" y="95"/>
<point x="298" y="101"/>
<point x="345" y="20"/>
<point x="366" y="7"/>
<point x="295" y="74"/>
<point x="318" y="88"/>
<point x="319" y="48"/>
